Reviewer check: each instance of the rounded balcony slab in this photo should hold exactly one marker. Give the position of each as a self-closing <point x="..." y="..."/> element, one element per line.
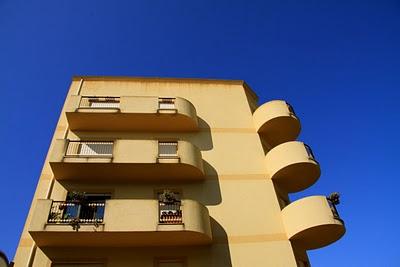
<point x="276" y="122"/>
<point x="125" y="161"/>
<point x="292" y="166"/>
<point x="131" y="113"/>
<point x="311" y="223"/>
<point x="126" y="223"/>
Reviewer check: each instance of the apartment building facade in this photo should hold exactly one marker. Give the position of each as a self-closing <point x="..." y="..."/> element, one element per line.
<point x="175" y="172"/>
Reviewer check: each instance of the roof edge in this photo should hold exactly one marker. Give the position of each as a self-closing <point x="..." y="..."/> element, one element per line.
<point x="166" y="79"/>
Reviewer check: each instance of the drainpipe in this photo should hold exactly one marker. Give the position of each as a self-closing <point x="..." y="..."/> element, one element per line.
<point x="49" y="190"/>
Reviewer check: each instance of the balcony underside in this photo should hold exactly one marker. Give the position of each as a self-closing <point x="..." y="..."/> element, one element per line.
<point x="319" y="236"/>
<point x="297" y="176"/>
<point x="280" y="129"/>
<point x="107" y="120"/>
<point x="125" y="172"/>
<point x="171" y="235"/>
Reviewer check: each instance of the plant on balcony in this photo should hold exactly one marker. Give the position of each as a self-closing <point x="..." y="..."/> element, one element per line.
<point x="54" y="216"/>
<point x="168" y="197"/>
<point x="334" y="198"/>
<point x="76" y="196"/>
<point x="75" y="223"/>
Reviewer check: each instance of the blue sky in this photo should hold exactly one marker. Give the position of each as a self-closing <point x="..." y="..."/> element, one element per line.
<point x="337" y="62"/>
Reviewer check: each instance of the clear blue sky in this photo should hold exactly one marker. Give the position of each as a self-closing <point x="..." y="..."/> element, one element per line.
<point x="337" y="62"/>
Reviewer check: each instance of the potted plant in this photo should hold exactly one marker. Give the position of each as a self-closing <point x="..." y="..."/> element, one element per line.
<point x="168" y="197"/>
<point x="76" y="196"/>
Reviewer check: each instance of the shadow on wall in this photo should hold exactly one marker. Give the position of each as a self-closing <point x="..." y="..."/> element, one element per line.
<point x="220" y="254"/>
<point x="202" y="138"/>
<point x="214" y="255"/>
<point x="207" y="192"/>
<point x="205" y="143"/>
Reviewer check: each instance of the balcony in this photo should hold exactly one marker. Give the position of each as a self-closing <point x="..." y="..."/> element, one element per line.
<point x="276" y="122"/>
<point x="292" y="166"/>
<point x="126" y="161"/>
<point x="130" y="113"/>
<point x="119" y="223"/>
<point x="312" y="222"/>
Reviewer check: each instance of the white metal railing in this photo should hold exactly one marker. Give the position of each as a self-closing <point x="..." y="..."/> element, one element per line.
<point x="165" y="103"/>
<point x="167" y="149"/>
<point x="89" y="148"/>
<point x="110" y="102"/>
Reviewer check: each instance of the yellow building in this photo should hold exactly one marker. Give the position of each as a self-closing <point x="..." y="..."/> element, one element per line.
<point x="175" y="172"/>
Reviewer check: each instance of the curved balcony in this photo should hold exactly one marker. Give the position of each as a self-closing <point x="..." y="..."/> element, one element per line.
<point x="124" y="223"/>
<point x="276" y="122"/>
<point x="125" y="161"/>
<point x="130" y="113"/>
<point x="292" y="166"/>
<point x="312" y="222"/>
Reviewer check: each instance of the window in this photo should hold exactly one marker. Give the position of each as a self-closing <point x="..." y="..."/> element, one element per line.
<point x="166" y="103"/>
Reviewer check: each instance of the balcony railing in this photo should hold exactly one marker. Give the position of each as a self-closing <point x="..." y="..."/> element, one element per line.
<point x="93" y="102"/>
<point x="168" y="149"/>
<point x="65" y="212"/>
<point x="309" y="152"/>
<point x="170" y="213"/>
<point x="333" y="200"/>
<point x="89" y="149"/>
<point x="166" y="104"/>
<point x="334" y="210"/>
<point x="291" y="109"/>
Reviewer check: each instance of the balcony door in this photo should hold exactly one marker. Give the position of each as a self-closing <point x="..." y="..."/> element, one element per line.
<point x="88" y="207"/>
